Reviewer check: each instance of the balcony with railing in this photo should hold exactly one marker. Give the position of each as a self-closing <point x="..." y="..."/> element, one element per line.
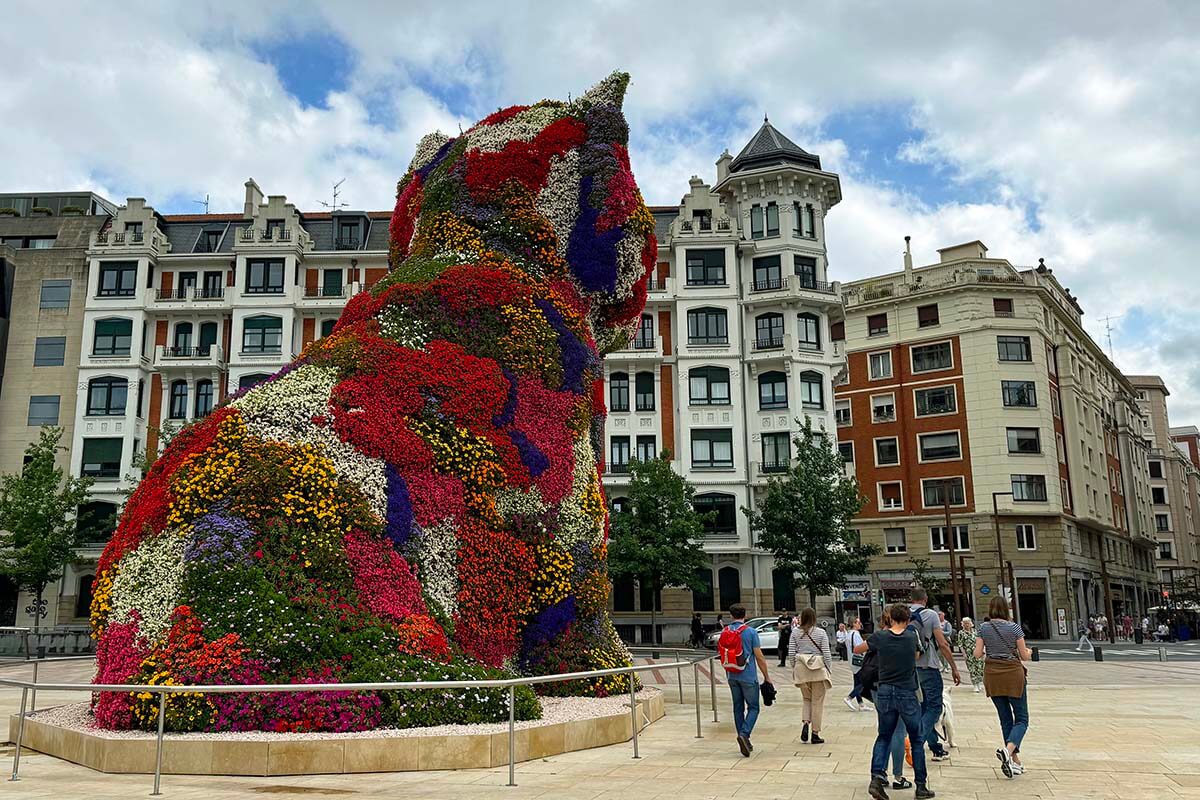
<point x="188" y="356"/>
<point x="705" y="226"/>
<point x="113" y="241"/>
<point x="763" y="288"/>
<point x="206" y="295"/>
<point x="339" y="292"/>
<point x="347" y="243"/>
<point x="656" y="285"/>
<point x="642" y="346"/>
<point x="761" y="471"/>
<point x="932" y="279"/>
<point x="277" y="237"/>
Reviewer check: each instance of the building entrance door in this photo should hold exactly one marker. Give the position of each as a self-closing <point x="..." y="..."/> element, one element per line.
<point x="1034" y="615"/>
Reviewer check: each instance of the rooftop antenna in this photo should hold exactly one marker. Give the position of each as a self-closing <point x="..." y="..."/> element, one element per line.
<point x="1108" y="333"/>
<point x="335" y="205"/>
<point x="204" y="203"/>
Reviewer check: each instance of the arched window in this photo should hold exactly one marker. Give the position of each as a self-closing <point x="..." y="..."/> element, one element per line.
<point x="113" y="337"/>
<point x="619" y="505"/>
<point x="183" y="338"/>
<point x="262" y="334"/>
<point x="808" y="332"/>
<point x="327" y="326"/>
<point x="708" y="386"/>
<point x="107" y="397"/>
<point x="730" y="582"/>
<point x="83" y="596"/>
<point x="618" y="392"/>
<point x="768" y="331"/>
<point x="253" y="379"/>
<point x="208" y="338"/>
<point x="724" y="521"/>
<point x="772" y="390"/>
<point x="204" y="398"/>
<point x="644" y="338"/>
<point x="702" y="598"/>
<point x="96" y="520"/>
<point x="644" y="388"/>
<point x="812" y="390"/>
<point x="179" y="399"/>
<point x="708" y="326"/>
<point x="783" y="584"/>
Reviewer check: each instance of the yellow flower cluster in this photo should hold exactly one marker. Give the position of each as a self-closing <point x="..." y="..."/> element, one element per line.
<point x="641" y="221"/>
<point x="187" y="711"/>
<point x="551" y="577"/>
<point x="531" y="344"/>
<point x="459" y="452"/>
<point x="592" y="501"/>
<point x="447" y="233"/>
<point x="206" y="477"/>
<point x="310" y="500"/>
<point x="101" y="601"/>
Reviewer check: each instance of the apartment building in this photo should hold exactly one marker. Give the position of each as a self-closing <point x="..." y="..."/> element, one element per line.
<point x="972" y="380"/>
<point x="1174" y="485"/>
<point x="734" y="348"/>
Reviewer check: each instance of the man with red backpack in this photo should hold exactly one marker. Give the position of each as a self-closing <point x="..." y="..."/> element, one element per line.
<point x="741" y="656"/>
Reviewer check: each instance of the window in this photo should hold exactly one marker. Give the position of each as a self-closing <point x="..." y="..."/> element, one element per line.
<point x="183" y="338"/>
<point x="179" y="400"/>
<point x="877" y="325"/>
<point x="841" y="412"/>
<point x="702" y="598"/>
<point x="805" y="268"/>
<point x="618" y="392"/>
<point x="133" y="230"/>
<point x="141" y="392"/>
<point x="49" y="351"/>
<point x="724" y="522"/>
<point x="644" y="387"/>
<point x="846" y="450"/>
<point x="331" y="283"/>
<point x="938" y="543"/>
<point x="187" y="285"/>
<point x="1156" y="470"/>
<point x="647" y="448"/>
<point x="706" y="267"/>
<point x="772" y="390"/>
<point x="776" y="452"/>
<point x="927" y="316"/>
<point x="930" y="357"/>
<point x="708" y="386"/>
<point x="107" y="397"/>
<point x="327" y="326"/>
<point x="1029" y="488"/>
<point x="783" y="589"/>
<point x="1014" y="348"/>
<point x="933" y="492"/>
<point x="209" y="241"/>
<point x="939" y="446"/>
<point x="712" y="448"/>
<point x="204" y="398"/>
<point x="208" y="338"/>
<point x="803" y="226"/>
<point x="1162" y="522"/>
<point x="1055" y="403"/>
<point x="767" y="274"/>
<point x="84" y="595"/>
<point x="891" y="496"/>
<point x="274" y="229"/>
<point x="1019" y="394"/>
<point x="812" y="390"/>
<point x="347" y="236"/>
<point x="756" y="222"/>
<point x="262" y="335"/>
<point x="113" y="337"/>
<point x="938" y="400"/>
<point x="1026" y="537"/>
<point x="883" y="408"/>
<point x="117" y="278"/>
<point x="887" y="452"/>
<point x="213" y="287"/>
<point x="894" y="541"/>
<point x="1166" y="551"/>
<point x="702" y="219"/>
<point x="253" y="379"/>
<point x="43" y="409"/>
<point x="644" y="339"/>
<point x="707" y="326"/>
<point x="1002" y="306"/>
<point x="772" y="219"/>
<point x="1159" y="495"/>
<point x="808" y="332"/>
<point x="102" y="458"/>
<point x="618" y="449"/>
<point x="264" y="276"/>
<point x="768" y="331"/>
<point x="880" y="365"/>
<point x="1024" y="440"/>
<point x="56" y="294"/>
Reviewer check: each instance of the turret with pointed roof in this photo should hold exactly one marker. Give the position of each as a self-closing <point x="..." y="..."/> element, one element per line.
<point x="769" y="148"/>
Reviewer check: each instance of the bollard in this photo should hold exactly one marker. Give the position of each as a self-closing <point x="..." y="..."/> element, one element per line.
<point x="20" y="735"/>
<point x="712" y="686"/>
<point x="162" y="718"/>
<point x="1098" y="653"/>
<point x="633" y="715"/>
<point x="33" y="694"/>
<point x="512" y="736"/>
<point x="1162" y="653"/>
<point x="679" y="677"/>
<point x="1035" y="654"/>
<point x="696" y="682"/>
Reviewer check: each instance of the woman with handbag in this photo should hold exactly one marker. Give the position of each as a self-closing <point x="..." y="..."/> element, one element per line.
<point x="812" y="662"/>
<point x="1002" y="643"/>
<point x="854" y="638"/>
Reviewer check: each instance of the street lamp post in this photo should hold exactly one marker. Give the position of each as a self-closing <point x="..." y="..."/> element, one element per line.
<point x="999" y="540"/>
<point x="958" y="612"/>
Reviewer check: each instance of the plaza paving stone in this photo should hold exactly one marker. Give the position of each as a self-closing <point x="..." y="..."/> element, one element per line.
<point x="1126" y="731"/>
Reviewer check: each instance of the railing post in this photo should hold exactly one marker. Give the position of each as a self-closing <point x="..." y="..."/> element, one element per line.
<point x="679" y="677"/>
<point x="33" y="694"/>
<point x="162" y="716"/>
<point x="633" y="715"/>
<point x="512" y="736"/>
<point x="712" y="685"/>
<point x="20" y="735"/>
<point x="696" y="684"/>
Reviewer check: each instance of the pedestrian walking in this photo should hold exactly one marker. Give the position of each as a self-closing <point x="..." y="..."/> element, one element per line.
<point x="854" y="639"/>
<point x="965" y="640"/>
<point x="948" y="632"/>
<point x="697" y="640"/>
<point x="785" y="635"/>
<point x="1002" y="643"/>
<point x="841" y="635"/>
<point x="934" y="647"/>
<point x="742" y="657"/>
<point x="812" y="665"/>
<point x="1085" y="644"/>
<point x="898" y="650"/>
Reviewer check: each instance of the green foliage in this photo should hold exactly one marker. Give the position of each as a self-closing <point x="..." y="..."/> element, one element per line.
<point x="659" y="539"/>
<point x="38" y="533"/>
<point x="804" y="520"/>
<point x="921" y="576"/>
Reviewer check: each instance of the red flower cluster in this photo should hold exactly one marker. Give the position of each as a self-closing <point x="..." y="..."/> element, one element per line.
<point x="528" y="163"/>
<point x="384" y="581"/>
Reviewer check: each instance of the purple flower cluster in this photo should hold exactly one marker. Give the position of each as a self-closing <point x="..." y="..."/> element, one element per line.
<point x="218" y="537"/>
<point x="577" y="357"/>
<point x="592" y="255"/>
<point x="399" y="508"/>
<point x="548" y="623"/>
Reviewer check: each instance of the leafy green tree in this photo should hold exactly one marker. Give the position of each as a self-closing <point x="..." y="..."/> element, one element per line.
<point x="658" y="539"/>
<point x="38" y="506"/>
<point x="804" y="519"/>
<point x="923" y="576"/>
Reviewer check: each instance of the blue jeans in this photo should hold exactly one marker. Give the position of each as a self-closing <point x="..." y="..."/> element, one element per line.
<point x="898" y="751"/>
<point x="856" y="692"/>
<point x="894" y="706"/>
<point x="931" y="709"/>
<point x="1014" y="717"/>
<point x="745" y="705"/>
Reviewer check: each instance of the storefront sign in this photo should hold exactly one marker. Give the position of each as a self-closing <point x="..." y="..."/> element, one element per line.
<point x="1062" y="621"/>
<point x="853" y="592"/>
<point x="985" y="589"/>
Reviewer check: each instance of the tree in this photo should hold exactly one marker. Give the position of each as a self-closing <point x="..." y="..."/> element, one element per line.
<point x="38" y="507"/>
<point x="804" y="519"/>
<point x="658" y="539"/>
<point x="923" y="577"/>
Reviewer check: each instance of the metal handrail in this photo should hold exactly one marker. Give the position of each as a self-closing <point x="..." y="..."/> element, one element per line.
<point x="510" y="683"/>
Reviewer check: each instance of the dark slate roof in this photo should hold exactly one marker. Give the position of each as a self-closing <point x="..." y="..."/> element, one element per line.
<point x="183" y="236"/>
<point x="377" y="234"/>
<point x="769" y="148"/>
<point x="663" y="217"/>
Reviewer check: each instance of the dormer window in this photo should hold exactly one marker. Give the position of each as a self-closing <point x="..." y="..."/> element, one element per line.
<point x="133" y="231"/>
<point x="702" y="219"/>
<point x="274" y="229"/>
<point x="349" y="235"/>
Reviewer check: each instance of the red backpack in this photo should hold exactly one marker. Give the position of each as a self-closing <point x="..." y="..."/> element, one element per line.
<point x="730" y="647"/>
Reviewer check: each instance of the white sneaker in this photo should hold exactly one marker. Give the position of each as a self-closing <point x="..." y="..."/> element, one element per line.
<point x="976" y="690"/>
<point x="1016" y="768"/>
<point x="866" y="705"/>
<point x="1006" y="763"/>
<point x="851" y="704"/>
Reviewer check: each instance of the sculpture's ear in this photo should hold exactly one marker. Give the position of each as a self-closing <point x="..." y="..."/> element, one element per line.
<point x="427" y="148"/>
<point x="608" y="92"/>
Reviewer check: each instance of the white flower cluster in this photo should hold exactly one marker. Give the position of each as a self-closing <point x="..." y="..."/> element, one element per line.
<point x="514" y="502"/>
<point x="437" y="561"/>
<point x="148" y="581"/>
<point x="576" y="525"/>
<point x="427" y="148"/>
<point x="282" y="410"/>
<point x="525" y="126"/>
<point x="403" y="327"/>
<point x="558" y="201"/>
<point x="629" y="264"/>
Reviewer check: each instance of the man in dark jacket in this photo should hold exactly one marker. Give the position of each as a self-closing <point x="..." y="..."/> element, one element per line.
<point x="785" y="635"/>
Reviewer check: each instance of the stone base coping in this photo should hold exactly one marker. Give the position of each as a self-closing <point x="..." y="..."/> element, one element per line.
<point x="230" y="755"/>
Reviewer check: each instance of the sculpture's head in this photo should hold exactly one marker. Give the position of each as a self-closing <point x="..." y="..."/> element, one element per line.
<point x="548" y="189"/>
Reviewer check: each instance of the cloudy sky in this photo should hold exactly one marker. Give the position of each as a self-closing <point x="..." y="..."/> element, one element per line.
<point x="1067" y="131"/>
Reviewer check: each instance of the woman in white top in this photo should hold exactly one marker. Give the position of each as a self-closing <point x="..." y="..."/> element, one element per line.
<point x="854" y="638"/>
<point x="812" y="662"/>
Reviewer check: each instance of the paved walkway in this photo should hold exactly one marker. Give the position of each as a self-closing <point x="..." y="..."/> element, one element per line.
<point x="1124" y="731"/>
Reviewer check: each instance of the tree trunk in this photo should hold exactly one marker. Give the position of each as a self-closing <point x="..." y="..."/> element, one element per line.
<point x="812" y="599"/>
<point x="37" y="608"/>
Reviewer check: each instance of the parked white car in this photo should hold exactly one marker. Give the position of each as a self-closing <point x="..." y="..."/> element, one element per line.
<point x="768" y="633"/>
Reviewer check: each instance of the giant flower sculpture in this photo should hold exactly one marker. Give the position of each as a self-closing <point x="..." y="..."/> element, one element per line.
<point x="418" y="495"/>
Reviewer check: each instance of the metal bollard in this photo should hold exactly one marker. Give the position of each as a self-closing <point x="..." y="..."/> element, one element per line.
<point x="20" y="736"/>
<point x="712" y="686"/>
<point x="33" y="694"/>
<point x="1162" y="653"/>
<point x="633" y="715"/>
<point x="1035" y="654"/>
<point x="696" y="682"/>
<point x="1098" y="653"/>
<point x="512" y="736"/>
<point x="679" y="677"/>
<point x="162" y="718"/>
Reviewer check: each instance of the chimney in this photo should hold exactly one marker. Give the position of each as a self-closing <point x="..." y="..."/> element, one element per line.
<point x="908" y="259"/>
<point x="723" y="165"/>
<point x="254" y="198"/>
